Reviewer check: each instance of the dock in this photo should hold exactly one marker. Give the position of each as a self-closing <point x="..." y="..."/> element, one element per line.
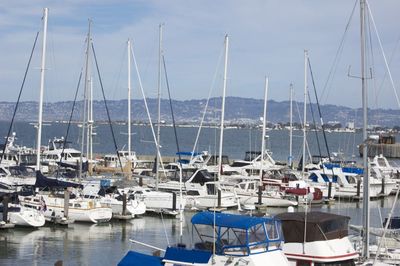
<point x="384" y="144"/>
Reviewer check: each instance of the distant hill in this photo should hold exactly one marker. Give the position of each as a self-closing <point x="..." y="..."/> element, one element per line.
<point x="238" y="110"/>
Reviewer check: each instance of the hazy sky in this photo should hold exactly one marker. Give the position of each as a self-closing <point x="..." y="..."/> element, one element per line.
<point x="267" y="38"/>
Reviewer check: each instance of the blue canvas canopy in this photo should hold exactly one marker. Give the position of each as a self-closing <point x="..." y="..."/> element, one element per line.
<point x="135" y="258"/>
<point x="185" y="255"/>
<point x="227" y="220"/>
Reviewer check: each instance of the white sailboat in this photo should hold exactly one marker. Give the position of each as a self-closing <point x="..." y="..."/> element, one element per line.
<point x="22" y="216"/>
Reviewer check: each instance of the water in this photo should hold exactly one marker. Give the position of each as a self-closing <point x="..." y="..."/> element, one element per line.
<point x="236" y="141"/>
<point x="87" y="244"/>
<point x="106" y="244"/>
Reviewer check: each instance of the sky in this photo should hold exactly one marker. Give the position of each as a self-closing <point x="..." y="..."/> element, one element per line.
<point x="266" y="38"/>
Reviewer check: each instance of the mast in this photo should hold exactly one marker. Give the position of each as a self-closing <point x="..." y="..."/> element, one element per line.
<point x="42" y="70"/>
<point x="291" y="128"/>
<point x="304" y="111"/>
<point x="221" y="136"/>
<point x="129" y="109"/>
<point x="159" y="102"/>
<point x="86" y="96"/>
<point x="263" y="138"/>
<point x="365" y="136"/>
<point x="90" y="125"/>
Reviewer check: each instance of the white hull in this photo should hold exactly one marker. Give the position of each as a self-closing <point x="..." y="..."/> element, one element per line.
<point x="334" y="250"/>
<point x="156" y="201"/>
<point x="79" y="210"/>
<point x="133" y="207"/>
<point x="209" y="201"/>
<point x="29" y="218"/>
<point x="268" y="201"/>
<point x="275" y="257"/>
<point x="26" y="217"/>
<point x="375" y="190"/>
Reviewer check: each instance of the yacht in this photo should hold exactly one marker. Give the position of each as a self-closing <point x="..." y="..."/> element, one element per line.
<point x="78" y="209"/>
<point x="317" y="238"/>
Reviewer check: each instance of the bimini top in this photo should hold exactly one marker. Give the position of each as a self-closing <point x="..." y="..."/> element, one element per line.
<point x="227" y="220"/>
<point x="320" y="226"/>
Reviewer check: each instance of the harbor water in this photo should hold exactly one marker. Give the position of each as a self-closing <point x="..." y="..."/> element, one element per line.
<point x="106" y="244"/>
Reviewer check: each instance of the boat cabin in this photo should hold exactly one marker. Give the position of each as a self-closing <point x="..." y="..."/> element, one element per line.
<point x="317" y="238"/>
<point x="236" y="235"/>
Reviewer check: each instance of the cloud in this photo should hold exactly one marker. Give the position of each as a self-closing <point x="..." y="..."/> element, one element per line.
<point x="266" y="38"/>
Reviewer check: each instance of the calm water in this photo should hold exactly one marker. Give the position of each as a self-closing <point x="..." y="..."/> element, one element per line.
<point x="87" y="244"/>
<point x="236" y="141"/>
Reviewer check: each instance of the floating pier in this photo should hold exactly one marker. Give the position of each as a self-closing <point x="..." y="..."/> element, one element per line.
<point x="4" y="225"/>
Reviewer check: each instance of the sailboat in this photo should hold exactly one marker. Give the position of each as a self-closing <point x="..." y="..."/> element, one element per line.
<point x="54" y="205"/>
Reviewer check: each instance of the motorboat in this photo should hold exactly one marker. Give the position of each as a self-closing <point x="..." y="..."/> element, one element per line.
<point x="239" y="240"/>
<point x="317" y="238"/>
<point x="79" y="209"/>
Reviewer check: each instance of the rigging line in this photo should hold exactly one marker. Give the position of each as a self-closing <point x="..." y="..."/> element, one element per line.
<point x="165" y="228"/>
<point x="301" y="124"/>
<point x="206" y="106"/>
<point x="383" y="54"/>
<point x="106" y="106"/>
<point x="69" y="121"/>
<point x="147" y="110"/>
<point x="333" y="68"/>
<point x="319" y="109"/>
<point x="172" y="111"/>
<point x="315" y="125"/>
<point x="19" y="96"/>
<point x="390" y="61"/>
<point x="177" y="144"/>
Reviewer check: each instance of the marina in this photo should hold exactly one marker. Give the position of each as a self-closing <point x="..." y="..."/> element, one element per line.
<point x="162" y="194"/>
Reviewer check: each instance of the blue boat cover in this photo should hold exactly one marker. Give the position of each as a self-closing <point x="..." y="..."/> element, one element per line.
<point x="227" y="220"/>
<point x="188" y="153"/>
<point x="187" y="255"/>
<point x="43" y="182"/>
<point x="135" y="258"/>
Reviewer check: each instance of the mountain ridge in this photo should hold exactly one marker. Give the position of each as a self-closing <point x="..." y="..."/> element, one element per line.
<point x="238" y="110"/>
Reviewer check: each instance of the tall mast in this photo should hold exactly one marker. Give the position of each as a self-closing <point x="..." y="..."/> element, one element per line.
<point x="129" y="159"/>
<point x="304" y="111"/>
<point x="221" y="136"/>
<point x="263" y="131"/>
<point x="291" y="128"/>
<point x="42" y="70"/>
<point x="159" y="102"/>
<point x="86" y="96"/>
<point x="90" y="121"/>
<point x="365" y="136"/>
<point x="129" y="98"/>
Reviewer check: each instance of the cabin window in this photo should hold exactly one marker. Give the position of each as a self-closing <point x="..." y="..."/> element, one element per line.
<point x="211" y="189"/>
<point x="193" y="193"/>
<point x="35" y="200"/>
<point x="251" y="186"/>
<point x="303" y="263"/>
<point x="77" y="205"/>
<point x="341" y="263"/>
<point x="273" y="230"/>
<point x="70" y="205"/>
